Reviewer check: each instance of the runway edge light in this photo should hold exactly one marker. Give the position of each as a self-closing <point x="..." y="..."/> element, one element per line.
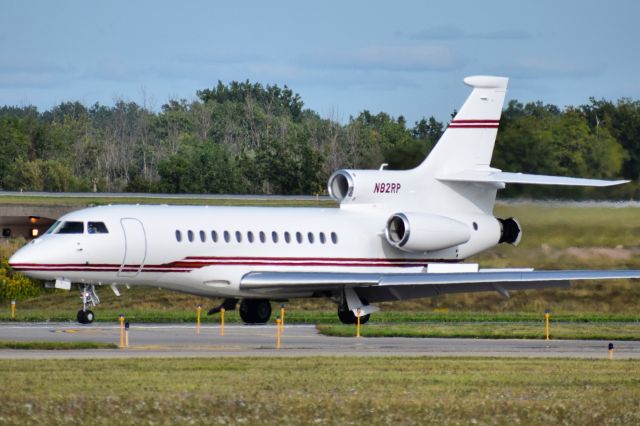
<point x="278" y="332"/>
<point x="611" y="348"/>
<point x="198" y="309"/>
<point x="222" y="322"/>
<point x="121" y="318"/>
<point x="547" y="315"/>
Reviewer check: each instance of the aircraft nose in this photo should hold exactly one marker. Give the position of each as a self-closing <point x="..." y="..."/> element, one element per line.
<point x="15" y="260"/>
<point x="21" y="257"/>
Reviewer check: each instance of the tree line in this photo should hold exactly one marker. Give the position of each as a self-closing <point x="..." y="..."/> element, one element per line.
<point x="248" y="138"/>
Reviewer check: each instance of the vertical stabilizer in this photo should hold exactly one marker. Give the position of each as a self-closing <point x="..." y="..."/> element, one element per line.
<point x="468" y="141"/>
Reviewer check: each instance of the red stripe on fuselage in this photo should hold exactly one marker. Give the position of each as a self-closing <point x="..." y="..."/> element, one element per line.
<point x="198" y="262"/>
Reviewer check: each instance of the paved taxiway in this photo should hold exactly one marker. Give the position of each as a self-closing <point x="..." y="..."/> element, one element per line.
<point x="179" y="340"/>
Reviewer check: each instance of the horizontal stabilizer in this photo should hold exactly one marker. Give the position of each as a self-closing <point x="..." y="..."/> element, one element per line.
<point x="498" y="177"/>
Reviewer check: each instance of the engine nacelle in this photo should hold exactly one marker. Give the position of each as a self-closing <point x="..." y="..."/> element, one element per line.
<point x="368" y="186"/>
<point x="420" y="232"/>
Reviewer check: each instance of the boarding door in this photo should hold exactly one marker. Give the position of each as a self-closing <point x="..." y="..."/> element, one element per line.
<point x="135" y="248"/>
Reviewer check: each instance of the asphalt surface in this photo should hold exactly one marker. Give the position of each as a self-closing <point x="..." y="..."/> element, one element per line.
<point x="180" y="340"/>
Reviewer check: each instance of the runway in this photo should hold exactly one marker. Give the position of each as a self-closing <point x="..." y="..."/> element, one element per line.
<point x="180" y="340"/>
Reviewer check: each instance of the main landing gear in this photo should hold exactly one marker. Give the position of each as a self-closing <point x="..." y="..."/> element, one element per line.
<point x="89" y="298"/>
<point x="255" y="311"/>
<point x="349" y="301"/>
<point x="252" y="311"/>
<point x="347" y="316"/>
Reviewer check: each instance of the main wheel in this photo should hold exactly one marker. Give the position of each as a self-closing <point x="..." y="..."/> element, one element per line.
<point x="262" y="311"/>
<point x="246" y="311"/>
<point x="348" y="317"/>
<point x="255" y="311"/>
<point x="82" y="318"/>
<point x="89" y="316"/>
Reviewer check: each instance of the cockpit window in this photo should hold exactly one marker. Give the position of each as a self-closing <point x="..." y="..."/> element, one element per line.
<point x="71" y="228"/>
<point x="97" y="228"/>
<point x="53" y="227"/>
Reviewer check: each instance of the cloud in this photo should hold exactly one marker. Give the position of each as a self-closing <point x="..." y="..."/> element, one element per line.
<point x="390" y="58"/>
<point x="536" y="67"/>
<point x="34" y="74"/>
<point x="450" y="32"/>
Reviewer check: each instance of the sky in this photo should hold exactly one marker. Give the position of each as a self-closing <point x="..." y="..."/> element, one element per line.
<point x="402" y="57"/>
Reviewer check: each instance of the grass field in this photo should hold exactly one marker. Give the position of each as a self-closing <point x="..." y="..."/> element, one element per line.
<point x="372" y="390"/>
<point x="491" y="330"/>
<point x="9" y="344"/>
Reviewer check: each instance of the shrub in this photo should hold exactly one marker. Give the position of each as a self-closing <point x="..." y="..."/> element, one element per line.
<point x="14" y="286"/>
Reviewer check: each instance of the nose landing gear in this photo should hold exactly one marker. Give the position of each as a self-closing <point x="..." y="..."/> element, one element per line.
<point x="89" y="297"/>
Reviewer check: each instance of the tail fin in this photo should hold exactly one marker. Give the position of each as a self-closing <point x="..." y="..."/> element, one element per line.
<point x="468" y="141"/>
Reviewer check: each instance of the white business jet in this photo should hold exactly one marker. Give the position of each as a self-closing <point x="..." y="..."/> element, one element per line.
<point x="397" y="235"/>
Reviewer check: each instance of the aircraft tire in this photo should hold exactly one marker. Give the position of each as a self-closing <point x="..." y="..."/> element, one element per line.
<point x="262" y="311"/>
<point x="85" y="317"/>
<point x="348" y="317"/>
<point x="255" y="311"/>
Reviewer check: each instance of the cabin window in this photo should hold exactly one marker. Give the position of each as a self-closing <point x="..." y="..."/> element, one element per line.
<point x="203" y="236"/>
<point x="214" y="236"/>
<point x="334" y="238"/>
<point x="227" y="236"/>
<point x="310" y="237"/>
<point x="250" y="236"/>
<point x="287" y="237"/>
<point x="97" y="228"/>
<point x="263" y="237"/>
<point x="299" y="237"/>
<point x="239" y="236"/>
<point x="71" y="228"/>
<point x="323" y="239"/>
<point x="178" y="236"/>
<point x="190" y="235"/>
<point x="274" y="236"/>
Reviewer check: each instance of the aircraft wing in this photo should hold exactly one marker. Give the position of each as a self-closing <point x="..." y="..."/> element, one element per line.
<point x="399" y="286"/>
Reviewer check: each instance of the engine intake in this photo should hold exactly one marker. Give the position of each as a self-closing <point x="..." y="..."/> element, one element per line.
<point x="340" y="185"/>
<point x="419" y="232"/>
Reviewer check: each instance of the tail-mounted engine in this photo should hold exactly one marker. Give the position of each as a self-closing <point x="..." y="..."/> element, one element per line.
<point x="368" y="186"/>
<point x="420" y="232"/>
<point x="510" y="231"/>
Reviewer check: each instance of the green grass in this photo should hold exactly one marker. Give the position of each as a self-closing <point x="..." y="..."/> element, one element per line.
<point x="324" y="390"/>
<point x="10" y="344"/>
<point x="491" y="330"/>
<point x="310" y="317"/>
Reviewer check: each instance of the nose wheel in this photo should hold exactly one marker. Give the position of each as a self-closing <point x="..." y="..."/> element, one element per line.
<point x="89" y="298"/>
<point x="85" y="317"/>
